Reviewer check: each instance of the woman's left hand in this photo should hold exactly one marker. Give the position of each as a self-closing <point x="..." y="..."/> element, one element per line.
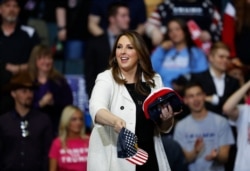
<point x="167" y="112"/>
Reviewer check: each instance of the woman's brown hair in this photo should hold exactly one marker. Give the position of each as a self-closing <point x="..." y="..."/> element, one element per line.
<point x="38" y="52"/>
<point x="144" y="63"/>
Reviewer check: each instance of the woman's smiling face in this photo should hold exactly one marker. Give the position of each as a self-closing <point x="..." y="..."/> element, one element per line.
<point x="44" y="63"/>
<point x="175" y="32"/>
<point x="126" y="54"/>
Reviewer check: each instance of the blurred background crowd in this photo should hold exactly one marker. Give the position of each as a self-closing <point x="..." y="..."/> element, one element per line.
<point x="65" y="44"/>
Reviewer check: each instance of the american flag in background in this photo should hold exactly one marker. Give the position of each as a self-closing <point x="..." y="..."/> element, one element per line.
<point x="127" y="148"/>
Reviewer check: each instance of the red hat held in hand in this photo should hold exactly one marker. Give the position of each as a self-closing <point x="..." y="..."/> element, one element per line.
<point x="152" y="104"/>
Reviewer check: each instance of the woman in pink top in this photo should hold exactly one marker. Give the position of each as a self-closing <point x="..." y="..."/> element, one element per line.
<point x="69" y="150"/>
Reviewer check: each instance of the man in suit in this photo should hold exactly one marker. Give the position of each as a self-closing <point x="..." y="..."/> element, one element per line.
<point x="217" y="84"/>
<point x="99" y="48"/>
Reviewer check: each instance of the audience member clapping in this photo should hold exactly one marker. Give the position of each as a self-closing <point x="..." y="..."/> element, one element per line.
<point x="53" y="92"/>
<point x="205" y="137"/>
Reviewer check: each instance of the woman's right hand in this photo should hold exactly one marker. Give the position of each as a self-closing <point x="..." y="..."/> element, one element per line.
<point x="47" y="99"/>
<point x="105" y="117"/>
<point x="119" y="124"/>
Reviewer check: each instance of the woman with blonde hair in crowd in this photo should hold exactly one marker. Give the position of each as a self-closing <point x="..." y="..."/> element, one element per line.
<point x="53" y="92"/>
<point x="69" y="150"/>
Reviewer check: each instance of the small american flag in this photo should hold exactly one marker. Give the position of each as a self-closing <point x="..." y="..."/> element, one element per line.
<point x="127" y="148"/>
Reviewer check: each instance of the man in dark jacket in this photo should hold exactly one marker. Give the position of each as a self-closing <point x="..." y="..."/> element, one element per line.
<point x="25" y="134"/>
<point x="99" y="48"/>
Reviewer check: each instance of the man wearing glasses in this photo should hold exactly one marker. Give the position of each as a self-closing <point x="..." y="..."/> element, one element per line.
<point x="25" y="134"/>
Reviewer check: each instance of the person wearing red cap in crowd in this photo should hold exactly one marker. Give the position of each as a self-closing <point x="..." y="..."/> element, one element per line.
<point x="16" y="43"/>
<point x="25" y="133"/>
<point x="205" y="137"/>
<point x="116" y="102"/>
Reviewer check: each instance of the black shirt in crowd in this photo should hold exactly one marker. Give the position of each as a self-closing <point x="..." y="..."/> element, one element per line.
<point x="14" y="49"/>
<point x="22" y="151"/>
<point x="77" y="18"/>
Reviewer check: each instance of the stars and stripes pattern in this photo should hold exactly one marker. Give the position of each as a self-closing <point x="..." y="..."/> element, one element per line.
<point x="139" y="158"/>
<point x="128" y="148"/>
<point x="131" y="141"/>
<point x="199" y="11"/>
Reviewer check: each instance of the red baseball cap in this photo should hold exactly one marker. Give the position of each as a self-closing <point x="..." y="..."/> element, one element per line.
<point x="161" y="96"/>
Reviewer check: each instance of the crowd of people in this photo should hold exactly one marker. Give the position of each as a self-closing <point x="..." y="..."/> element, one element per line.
<point x="197" y="48"/>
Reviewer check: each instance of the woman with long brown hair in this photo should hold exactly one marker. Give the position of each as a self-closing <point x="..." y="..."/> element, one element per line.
<point x="178" y="57"/>
<point x="53" y="92"/>
<point x="116" y="103"/>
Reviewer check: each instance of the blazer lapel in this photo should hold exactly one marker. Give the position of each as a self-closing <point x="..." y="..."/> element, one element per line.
<point x="209" y="82"/>
<point x="227" y="85"/>
<point x="125" y="93"/>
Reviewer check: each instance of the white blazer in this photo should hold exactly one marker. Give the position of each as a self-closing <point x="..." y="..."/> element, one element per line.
<point x="107" y="94"/>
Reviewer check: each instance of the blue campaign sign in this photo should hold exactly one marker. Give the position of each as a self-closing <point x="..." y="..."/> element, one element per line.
<point x="80" y="97"/>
